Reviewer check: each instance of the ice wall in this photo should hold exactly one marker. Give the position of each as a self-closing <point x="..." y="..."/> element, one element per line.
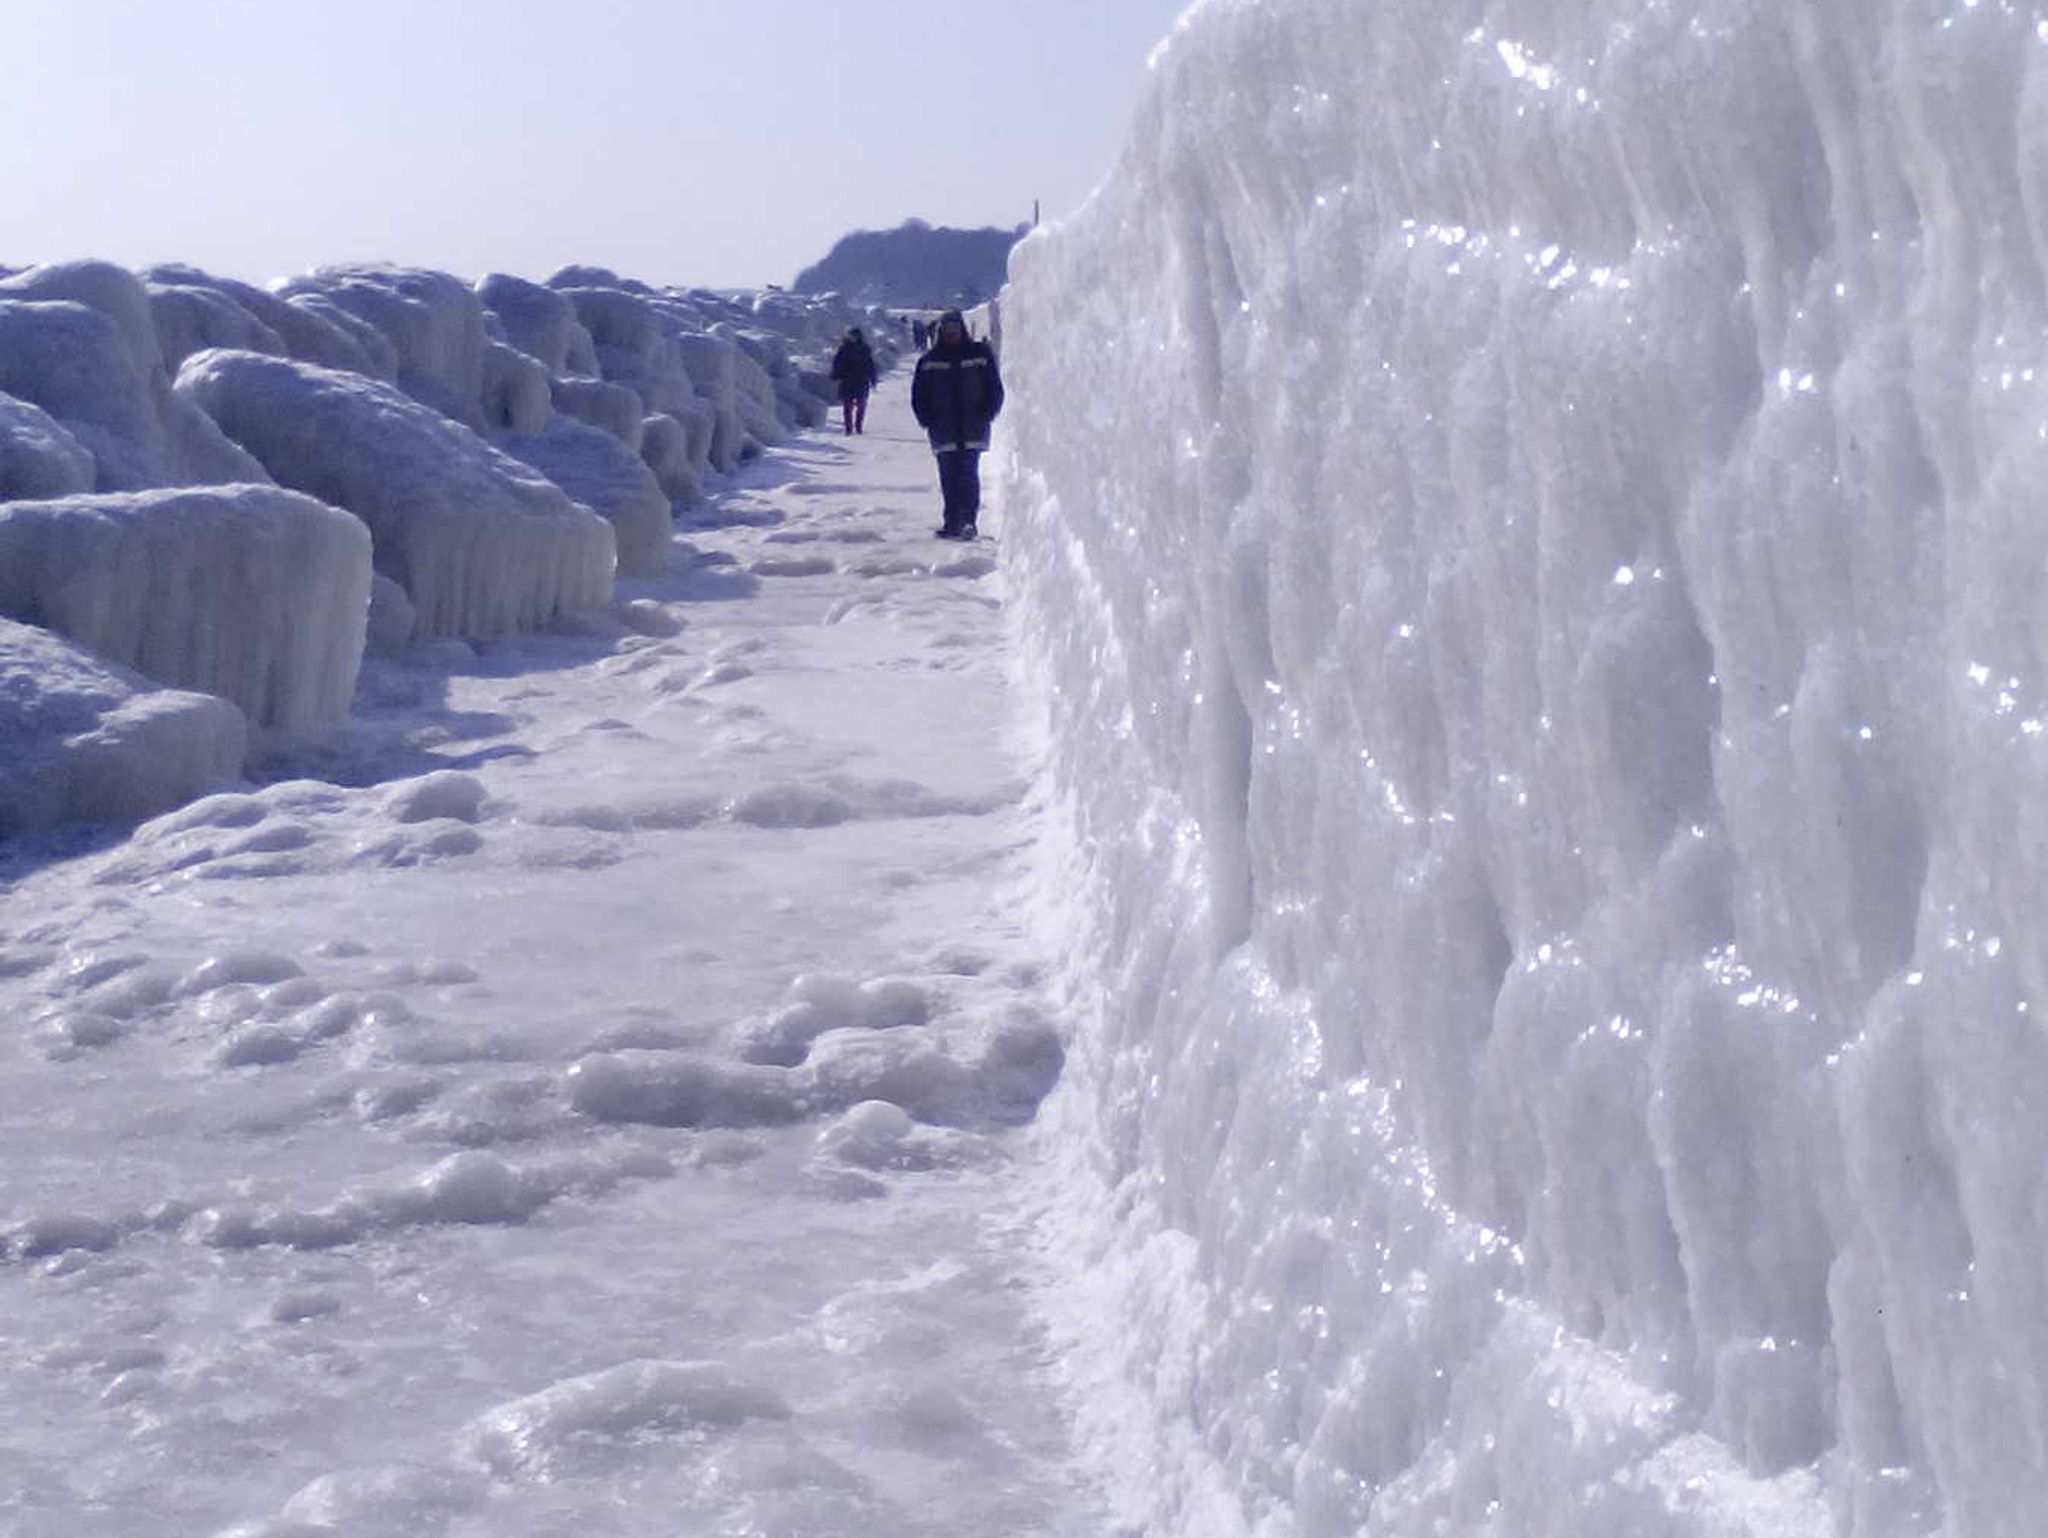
<point x="1528" y="519"/>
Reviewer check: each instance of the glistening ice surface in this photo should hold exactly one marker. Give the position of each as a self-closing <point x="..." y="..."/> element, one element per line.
<point x="1529" y="517"/>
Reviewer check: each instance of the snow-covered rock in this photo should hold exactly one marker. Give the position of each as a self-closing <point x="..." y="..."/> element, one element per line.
<point x="481" y="544"/>
<point x="612" y="407"/>
<point x="307" y="333"/>
<point x="253" y="593"/>
<point x="673" y="450"/>
<point x="541" y="323"/>
<point x="38" y="458"/>
<point x="78" y="340"/>
<point x="190" y="318"/>
<point x="84" y="740"/>
<point x="602" y="473"/>
<point x="433" y="321"/>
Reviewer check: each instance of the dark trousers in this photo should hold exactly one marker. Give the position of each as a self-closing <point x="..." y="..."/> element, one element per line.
<point x="960" y="485"/>
<point x="854" y="411"/>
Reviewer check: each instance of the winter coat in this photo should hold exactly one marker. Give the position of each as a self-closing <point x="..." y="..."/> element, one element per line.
<point x="853" y="368"/>
<point x="955" y="394"/>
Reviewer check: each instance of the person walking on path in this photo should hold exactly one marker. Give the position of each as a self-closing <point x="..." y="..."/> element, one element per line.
<point x="853" y="370"/>
<point x="955" y="394"/>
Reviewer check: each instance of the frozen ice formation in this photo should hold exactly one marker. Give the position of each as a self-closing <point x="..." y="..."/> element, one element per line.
<point x="79" y="341"/>
<point x="474" y="431"/>
<point x="605" y="474"/>
<point x="38" y="458"/>
<point x="1531" y="519"/>
<point x="253" y="593"/>
<point x="82" y="739"/>
<point x="481" y="544"/>
<point x="433" y="322"/>
<point x="568" y="1425"/>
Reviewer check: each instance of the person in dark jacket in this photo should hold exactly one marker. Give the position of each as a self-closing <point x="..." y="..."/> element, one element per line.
<point x="955" y="394"/>
<point x="853" y="370"/>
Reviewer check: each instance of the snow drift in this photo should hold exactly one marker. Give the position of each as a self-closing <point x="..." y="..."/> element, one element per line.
<point x="1528" y="516"/>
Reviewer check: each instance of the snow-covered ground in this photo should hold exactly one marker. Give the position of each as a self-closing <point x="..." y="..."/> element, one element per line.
<point x="591" y="1105"/>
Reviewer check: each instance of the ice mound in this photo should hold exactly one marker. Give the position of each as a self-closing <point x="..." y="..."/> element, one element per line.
<point x="603" y="473"/>
<point x="480" y="544"/>
<point x="84" y="740"/>
<point x="573" y="1425"/>
<point x="444" y="793"/>
<point x="909" y="1067"/>
<point x="679" y="1089"/>
<point x="434" y="323"/>
<point x="250" y="592"/>
<point x="674" y="448"/>
<point x="390" y="1498"/>
<point x="191" y="318"/>
<point x="78" y="340"/>
<point x="823" y="1001"/>
<point x="541" y="323"/>
<point x="614" y="408"/>
<point x="186" y="323"/>
<point x="470" y="1188"/>
<point x="38" y="458"/>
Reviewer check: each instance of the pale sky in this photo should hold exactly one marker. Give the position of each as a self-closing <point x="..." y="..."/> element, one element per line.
<point x="715" y="142"/>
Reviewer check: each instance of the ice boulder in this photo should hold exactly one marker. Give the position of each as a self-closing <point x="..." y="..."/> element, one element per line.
<point x="38" y="458"/>
<point x="600" y="472"/>
<point x="433" y="321"/>
<point x="253" y="593"/>
<point x="712" y="364"/>
<point x="83" y="740"/>
<point x="307" y="333"/>
<point x="192" y="319"/>
<point x="79" y="341"/>
<point x="481" y="544"/>
<point x="514" y="391"/>
<point x="673" y="449"/>
<point x="612" y="407"/>
<point x="634" y="347"/>
<point x="541" y="323"/>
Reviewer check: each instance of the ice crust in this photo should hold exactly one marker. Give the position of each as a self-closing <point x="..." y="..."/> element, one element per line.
<point x="1528" y="519"/>
<point x="253" y="593"/>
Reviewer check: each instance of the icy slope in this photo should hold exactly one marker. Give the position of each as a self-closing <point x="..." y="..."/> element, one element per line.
<point x="1529" y="518"/>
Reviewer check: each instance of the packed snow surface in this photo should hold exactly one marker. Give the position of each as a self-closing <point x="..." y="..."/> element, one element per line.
<point x="1529" y="516"/>
<point x="582" y="1096"/>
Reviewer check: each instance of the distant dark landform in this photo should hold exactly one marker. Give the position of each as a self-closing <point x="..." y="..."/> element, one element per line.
<point x="914" y="266"/>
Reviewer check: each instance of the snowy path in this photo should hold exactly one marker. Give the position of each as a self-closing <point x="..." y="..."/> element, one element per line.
<point x="511" y="1152"/>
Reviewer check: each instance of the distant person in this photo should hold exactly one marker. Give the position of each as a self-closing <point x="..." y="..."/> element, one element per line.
<point x="917" y="332"/>
<point x="955" y="394"/>
<point x="853" y="370"/>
